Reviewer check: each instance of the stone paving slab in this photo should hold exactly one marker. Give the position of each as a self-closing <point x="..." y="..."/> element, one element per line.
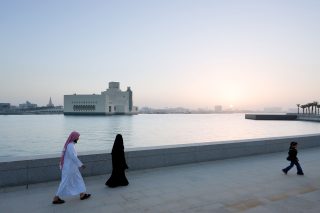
<point x="252" y="184"/>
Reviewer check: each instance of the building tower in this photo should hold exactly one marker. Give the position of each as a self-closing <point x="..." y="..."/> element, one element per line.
<point x="130" y="99"/>
<point x="50" y="104"/>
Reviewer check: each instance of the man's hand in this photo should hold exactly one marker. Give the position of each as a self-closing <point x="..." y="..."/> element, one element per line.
<point x="83" y="166"/>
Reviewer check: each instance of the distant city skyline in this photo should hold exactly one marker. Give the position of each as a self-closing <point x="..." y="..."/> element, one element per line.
<point x="179" y="53"/>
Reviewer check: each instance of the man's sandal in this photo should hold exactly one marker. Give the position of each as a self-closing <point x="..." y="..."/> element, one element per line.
<point x="59" y="201"/>
<point x="85" y="196"/>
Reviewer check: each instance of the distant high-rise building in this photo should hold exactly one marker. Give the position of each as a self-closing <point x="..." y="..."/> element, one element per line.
<point x="292" y="110"/>
<point x="272" y="109"/>
<point x="50" y="104"/>
<point x="218" y="108"/>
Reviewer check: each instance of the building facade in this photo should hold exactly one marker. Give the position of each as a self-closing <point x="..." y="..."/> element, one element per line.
<point x="28" y="105"/>
<point x="5" y="106"/>
<point x="113" y="101"/>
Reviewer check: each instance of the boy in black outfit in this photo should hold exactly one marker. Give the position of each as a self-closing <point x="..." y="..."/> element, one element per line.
<point x="293" y="158"/>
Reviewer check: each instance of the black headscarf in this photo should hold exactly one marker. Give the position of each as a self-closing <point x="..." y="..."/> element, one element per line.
<point x="118" y="144"/>
<point x="292" y="144"/>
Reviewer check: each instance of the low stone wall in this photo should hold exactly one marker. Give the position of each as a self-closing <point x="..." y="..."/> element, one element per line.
<point x="306" y="117"/>
<point x="26" y="171"/>
<point x="271" y="116"/>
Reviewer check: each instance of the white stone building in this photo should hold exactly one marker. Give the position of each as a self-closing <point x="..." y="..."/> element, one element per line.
<point x="113" y="101"/>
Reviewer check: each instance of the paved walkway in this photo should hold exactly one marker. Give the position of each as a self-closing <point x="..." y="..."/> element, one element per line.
<point x="248" y="184"/>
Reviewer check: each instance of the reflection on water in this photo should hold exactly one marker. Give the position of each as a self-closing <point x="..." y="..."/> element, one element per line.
<point x="25" y="135"/>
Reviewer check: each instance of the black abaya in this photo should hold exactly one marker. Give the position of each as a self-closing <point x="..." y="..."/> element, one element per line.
<point x="119" y="165"/>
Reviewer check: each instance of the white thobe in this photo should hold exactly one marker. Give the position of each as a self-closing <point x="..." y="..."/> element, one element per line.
<point x="71" y="180"/>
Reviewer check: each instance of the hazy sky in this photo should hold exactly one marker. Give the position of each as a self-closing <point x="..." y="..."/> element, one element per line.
<point x="251" y="54"/>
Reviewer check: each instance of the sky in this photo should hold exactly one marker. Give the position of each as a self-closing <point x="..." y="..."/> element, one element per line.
<point x="249" y="54"/>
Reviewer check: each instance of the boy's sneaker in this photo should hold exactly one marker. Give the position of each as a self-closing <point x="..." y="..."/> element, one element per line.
<point x="300" y="173"/>
<point x="284" y="171"/>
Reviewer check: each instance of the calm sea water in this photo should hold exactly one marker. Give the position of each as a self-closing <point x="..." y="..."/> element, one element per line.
<point x="29" y="135"/>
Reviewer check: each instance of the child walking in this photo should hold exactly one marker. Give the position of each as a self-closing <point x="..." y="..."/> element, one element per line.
<point x="293" y="158"/>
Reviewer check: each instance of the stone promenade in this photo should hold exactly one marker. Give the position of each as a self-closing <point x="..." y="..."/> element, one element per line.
<point x="247" y="184"/>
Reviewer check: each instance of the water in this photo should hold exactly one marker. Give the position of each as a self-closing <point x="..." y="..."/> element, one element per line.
<point x="29" y="135"/>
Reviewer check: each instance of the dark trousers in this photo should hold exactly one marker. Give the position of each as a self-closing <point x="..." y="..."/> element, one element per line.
<point x="299" y="169"/>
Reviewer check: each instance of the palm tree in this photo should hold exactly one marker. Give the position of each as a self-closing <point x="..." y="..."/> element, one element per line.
<point x="306" y="107"/>
<point x="315" y="104"/>
<point x="303" y="107"/>
<point x="298" y="105"/>
<point x="309" y="106"/>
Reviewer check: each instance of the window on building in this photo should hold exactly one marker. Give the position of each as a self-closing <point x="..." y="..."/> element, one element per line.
<point x="85" y="108"/>
<point x="109" y="108"/>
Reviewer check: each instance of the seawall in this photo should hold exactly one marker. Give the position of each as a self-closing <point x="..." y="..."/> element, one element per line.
<point x="306" y="117"/>
<point x="288" y="116"/>
<point x="17" y="171"/>
<point x="270" y="117"/>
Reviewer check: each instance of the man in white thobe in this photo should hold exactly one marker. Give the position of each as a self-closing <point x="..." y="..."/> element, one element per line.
<point x="71" y="180"/>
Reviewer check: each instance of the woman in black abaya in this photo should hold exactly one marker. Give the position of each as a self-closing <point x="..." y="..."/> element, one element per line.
<point x="119" y="165"/>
